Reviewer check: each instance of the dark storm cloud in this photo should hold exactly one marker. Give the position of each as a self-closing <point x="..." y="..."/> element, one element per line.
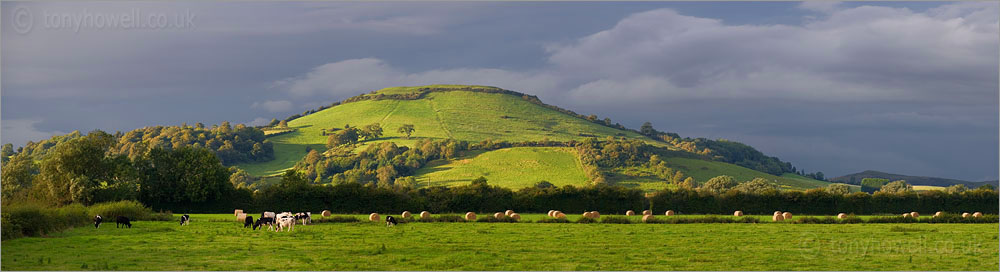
<point x="908" y="88"/>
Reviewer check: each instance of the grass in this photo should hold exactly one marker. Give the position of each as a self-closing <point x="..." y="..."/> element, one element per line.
<point x="517" y="167"/>
<point x="209" y="245"/>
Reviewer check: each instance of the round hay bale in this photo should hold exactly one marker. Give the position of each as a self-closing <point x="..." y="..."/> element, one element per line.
<point x="977" y="214"/>
<point x="787" y="215"/>
<point x="586" y="214"/>
<point x="498" y="215"/>
<point x="595" y="214"/>
<point x="470" y="216"/>
<point x="938" y="214"/>
<point x="669" y="213"/>
<point x="326" y="213"/>
<point x="964" y="215"/>
<point x="629" y="213"/>
<point x="373" y="217"/>
<point x="645" y="218"/>
<point x="406" y="214"/>
<point x="906" y="215"/>
<point x="777" y="212"/>
<point x="559" y="214"/>
<point x="914" y="214"/>
<point x="237" y="212"/>
<point x="777" y="218"/>
<point x="841" y="215"/>
<point x="241" y="217"/>
<point x="508" y="212"/>
<point x="738" y="213"/>
<point x="551" y="213"/>
<point x="516" y="216"/>
<point x="425" y="215"/>
<point x="647" y="212"/>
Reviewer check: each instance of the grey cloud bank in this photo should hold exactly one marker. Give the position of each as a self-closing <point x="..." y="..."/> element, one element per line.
<point x="843" y="88"/>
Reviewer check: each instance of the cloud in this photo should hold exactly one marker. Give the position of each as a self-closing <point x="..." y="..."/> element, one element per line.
<point x="820" y="6"/>
<point x="20" y="131"/>
<point x="259" y="121"/>
<point x="353" y="76"/>
<point x="273" y="106"/>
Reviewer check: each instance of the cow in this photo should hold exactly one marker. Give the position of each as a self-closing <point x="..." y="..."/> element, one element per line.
<point x="267" y="214"/>
<point x="304" y="217"/>
<point x="247" y="222"/>
<point x="286" y="222"/>
<point x="97" y="221"/>
<point x="121" y="220"/>
<point x="390" y="221"/>
<point x="185" y="219"/>
<point x="269" y="221"/>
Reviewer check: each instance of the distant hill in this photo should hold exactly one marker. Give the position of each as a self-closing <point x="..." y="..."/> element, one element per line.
<point x="914" y="180"/>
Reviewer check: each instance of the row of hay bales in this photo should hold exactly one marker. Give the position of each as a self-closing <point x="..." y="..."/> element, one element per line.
<point x="939" y="213"/>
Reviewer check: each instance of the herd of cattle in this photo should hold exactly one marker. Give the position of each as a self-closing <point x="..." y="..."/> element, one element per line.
<point x="276" y="222"/>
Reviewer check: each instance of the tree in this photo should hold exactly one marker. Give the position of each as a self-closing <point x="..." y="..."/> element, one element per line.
<point x="719" y="184"/>
<point x="838" y="189"/>
<point x="689" y="183"/>
<point x="386" y="174"/>
<point x="16" y="175"/>
<point x="342" y="137"/>
<point x="184" y="175"/>
<point x="406" y="129"/>
<point x="313" y="157"/>
<point x="240" y="178"/>
<point x="957" y="188"/>
<point x="283" y="124"/>
<point x="371" y="131"/>
<point x="544" y="184"/>
<point x="870" y="185"/>
<point x="647" y="129"/>
<point x="481" y="180"/>
<point x="6" y="152"/>
<point x="895" y="187"/>
<point x="756" y="186"/>
<point x="274" y="122"/>
<point x="74" y="169"/>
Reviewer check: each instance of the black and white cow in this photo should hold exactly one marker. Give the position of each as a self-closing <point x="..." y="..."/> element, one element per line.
<point x="97" y="221"/>
<point x="305" y="217"/>
<point x="269" y="221"/>
<point x="247" y="222"/>
<point x="185" y="219"/>
<point x="390" y="221"/>
<point x="121" y="220"/>
<point x="285" y="220"/>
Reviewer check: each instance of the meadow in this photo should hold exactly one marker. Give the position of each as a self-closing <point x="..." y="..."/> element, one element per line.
<point x="216" y="242"/>
<point x="517" y="167"/>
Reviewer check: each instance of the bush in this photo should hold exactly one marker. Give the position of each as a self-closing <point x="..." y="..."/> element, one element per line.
<point x="490" y="219"/>
<point x="816" y="220"/>
<point x="891" y="219"/>
<point x="442" y="218"/>
<point x="748" y="219"/>
<point x="131" y="209"/>
<point x="35" y="220"/>
<point x="851" y="219"/>
<point x="585" y="220"/>
<point x="552" y="220"/>
<point x="615" y="220"/>
<point x="338" y="219"/>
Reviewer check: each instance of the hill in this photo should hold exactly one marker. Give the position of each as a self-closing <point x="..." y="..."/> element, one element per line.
<point x="449" y="112"/>
<point x="481" y="113"/>
<point x="914" y="180"/>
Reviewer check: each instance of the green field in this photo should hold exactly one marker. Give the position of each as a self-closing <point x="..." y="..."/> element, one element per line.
<point x="927" y="188"/>
<point x="703" y="170"/>
<point x="210" y="243"/>
<point x="517" y="167"/>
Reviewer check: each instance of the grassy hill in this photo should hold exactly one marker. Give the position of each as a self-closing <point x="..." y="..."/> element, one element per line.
<point x="460" y="115"/>
<point x="453" y="112"/>
<point x="914" y="180"/>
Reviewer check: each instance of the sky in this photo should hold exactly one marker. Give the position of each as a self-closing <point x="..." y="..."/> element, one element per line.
<point x="901" y="87"/>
